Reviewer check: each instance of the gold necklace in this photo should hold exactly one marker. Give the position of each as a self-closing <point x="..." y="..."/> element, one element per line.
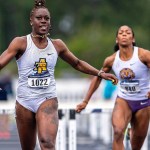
<point x="40" y="36"/>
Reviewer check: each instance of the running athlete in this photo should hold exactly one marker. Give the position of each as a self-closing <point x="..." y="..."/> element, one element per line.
<point x="36" y="100"/>
<point x="131" y="65"/>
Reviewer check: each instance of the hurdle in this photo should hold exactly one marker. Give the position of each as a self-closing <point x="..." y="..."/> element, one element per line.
<point x="61" y="140"/>
<point x="67" y="130"/>
<point x="68" y="125"/>
<point x="61" y="134"/>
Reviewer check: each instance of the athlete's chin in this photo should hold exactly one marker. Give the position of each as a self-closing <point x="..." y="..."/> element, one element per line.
<point x="124" y="45"/>
<point x="43" y="32"/>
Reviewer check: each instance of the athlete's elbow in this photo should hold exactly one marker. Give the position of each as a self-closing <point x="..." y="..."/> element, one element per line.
<point x="76" y="65"/>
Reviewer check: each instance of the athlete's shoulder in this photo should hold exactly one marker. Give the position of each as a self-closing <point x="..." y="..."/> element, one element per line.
<point x="18" y="44"/>
<point x="57" y="41"/>
<point x="59" y="45"/>
<point x="110" y="60"/>
<point x="18" y="41"/>
<point x="143" y="52"/>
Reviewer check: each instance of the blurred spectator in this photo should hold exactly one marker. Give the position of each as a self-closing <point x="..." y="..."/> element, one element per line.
<point x="5" y="86"/>
<point x="3" y="94"/>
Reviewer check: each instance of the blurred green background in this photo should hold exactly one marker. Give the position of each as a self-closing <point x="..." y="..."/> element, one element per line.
<point x="88" y="27"/>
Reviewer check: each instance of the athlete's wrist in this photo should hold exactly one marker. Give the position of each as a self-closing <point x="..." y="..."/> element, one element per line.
<point x="99" y="73"/>
<point x="85" y="101"/>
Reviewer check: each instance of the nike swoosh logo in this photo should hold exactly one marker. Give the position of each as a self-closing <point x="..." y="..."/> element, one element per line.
<point x="50" y="54"/>
<point x="132" y="64"/>
<point x="143" y="103"/>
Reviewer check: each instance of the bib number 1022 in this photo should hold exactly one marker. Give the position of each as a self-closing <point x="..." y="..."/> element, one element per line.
<point x="36" y="82"/>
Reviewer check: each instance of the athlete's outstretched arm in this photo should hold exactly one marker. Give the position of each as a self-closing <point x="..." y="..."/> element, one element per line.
<point x="93" y="87"/>
<point x="95" y="84"/>
<point x="78" y="64"/>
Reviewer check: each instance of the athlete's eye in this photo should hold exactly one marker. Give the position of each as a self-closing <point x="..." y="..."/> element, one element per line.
<point x="39" y="18"/>
<point x="128" y="32"/>
<point x="120" y="32"/>
<point x="47" y="18"/>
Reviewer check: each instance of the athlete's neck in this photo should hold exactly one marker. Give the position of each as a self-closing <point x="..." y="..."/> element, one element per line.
<point x="39" y="36"/>
<point x="126" y="53"/>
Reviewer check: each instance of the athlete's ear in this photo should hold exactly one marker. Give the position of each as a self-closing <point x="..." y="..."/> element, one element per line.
<point x="116" y="40"/>
<point x="31" y="22"/>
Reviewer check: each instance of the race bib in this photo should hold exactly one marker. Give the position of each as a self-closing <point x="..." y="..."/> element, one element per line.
<point x="39" y="82"/>
<point x="130" y="87"/>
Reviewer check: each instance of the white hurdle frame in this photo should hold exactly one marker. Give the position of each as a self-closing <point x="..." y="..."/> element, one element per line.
<point x="62" y="141"/>
<point x="61" y="134"/>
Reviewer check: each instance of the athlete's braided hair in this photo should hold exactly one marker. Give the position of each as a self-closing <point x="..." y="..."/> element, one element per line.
<point x="38" y="4"/>
<point x="116" y="47"/>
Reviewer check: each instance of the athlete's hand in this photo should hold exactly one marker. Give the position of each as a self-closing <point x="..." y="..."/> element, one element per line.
<point x="80" y="107"/>
<point x="108" y="76"/>
<point x="148" y="95"/>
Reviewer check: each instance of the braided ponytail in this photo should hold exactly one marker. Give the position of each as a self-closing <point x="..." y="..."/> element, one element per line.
<point x="38" y="4"/>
